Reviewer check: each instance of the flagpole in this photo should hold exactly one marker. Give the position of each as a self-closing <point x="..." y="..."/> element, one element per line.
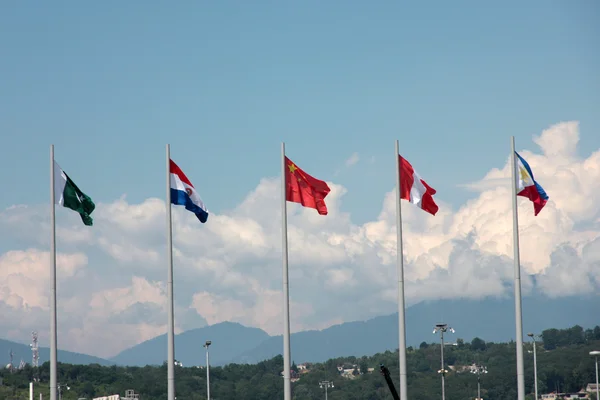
<point x="517" y="267"/>
<point x="400" y="268"/>
<point x="53" y="324"/>
<point x="171" y="323"/>
<point x="287" y="385"/>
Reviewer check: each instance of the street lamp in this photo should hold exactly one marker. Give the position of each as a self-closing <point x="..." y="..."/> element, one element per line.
<point x="326" y="385"/>
<point x="208" y="343"/>
<point x="479" y="369"/>
<point x="441" y="328"/>
<point x="535" y="380"/>
<point x="596" y="354"/>
<point x="59" y="387"/>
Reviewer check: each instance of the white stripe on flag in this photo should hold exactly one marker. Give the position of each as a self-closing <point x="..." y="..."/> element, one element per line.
<point x="60" y="181"/>
<point x="176" y="183"/>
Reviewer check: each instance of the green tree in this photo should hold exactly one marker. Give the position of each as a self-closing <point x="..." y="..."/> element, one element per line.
<point x="478" y="344"/>
<point x="597" y="332"/>
<point x="567" y="367"/>
<point x="363" y="366"/>
<point x="88" y="389"/>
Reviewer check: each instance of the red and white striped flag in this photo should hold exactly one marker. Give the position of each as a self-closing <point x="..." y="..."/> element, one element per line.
<point x="414" y="189"/>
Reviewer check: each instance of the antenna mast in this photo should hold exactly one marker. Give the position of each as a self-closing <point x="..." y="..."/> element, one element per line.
<point x="34" y="349"/>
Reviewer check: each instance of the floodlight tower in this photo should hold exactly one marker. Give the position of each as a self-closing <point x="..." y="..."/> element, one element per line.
<point x="35" y="353"/>
<point x="60" y="388"/>
<point x="441" y="328"/>
<point x="596" y="353"/>
<point x="535" y="379"/>
<point x="206" y="344"/>
<point x="326" y="385"/>
<point x="479" y="369"/>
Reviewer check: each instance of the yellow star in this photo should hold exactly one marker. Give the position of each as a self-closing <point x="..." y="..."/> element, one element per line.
<point x="292" y="168"/>
<point x="524" y="174"/>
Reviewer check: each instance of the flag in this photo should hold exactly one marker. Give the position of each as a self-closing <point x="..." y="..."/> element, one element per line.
<point x="528" y="187"/>
<point x="304" y="189"/>
<point x="67" y="194"/>
<point x="416" y="190"/>
<point x="183" y="193"/>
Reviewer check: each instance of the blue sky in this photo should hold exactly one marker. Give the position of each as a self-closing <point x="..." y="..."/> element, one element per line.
<point x="110" y="83"/>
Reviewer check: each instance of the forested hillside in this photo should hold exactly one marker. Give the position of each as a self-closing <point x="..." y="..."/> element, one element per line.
<point x="563" y="363"/>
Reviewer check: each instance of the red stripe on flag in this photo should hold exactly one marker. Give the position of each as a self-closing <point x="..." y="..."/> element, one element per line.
<point x="407" y="178"/>
<point x="174" y="169"/>
<point x="532" y="194"/>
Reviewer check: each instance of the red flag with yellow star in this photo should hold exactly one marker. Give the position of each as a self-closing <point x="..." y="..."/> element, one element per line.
<point x="304" y="189"/>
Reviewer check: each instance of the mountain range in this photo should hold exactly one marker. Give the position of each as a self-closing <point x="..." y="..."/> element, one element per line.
<point x="23" y="352"/>
<point x="491" y="319"/>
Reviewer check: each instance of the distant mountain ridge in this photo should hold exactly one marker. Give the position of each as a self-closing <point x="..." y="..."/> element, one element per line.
<point x="23" y="352"/>
<point x="229" y="340"/>
<point x="491" y="319"/>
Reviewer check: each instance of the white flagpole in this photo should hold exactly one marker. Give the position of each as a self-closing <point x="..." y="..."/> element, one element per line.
<point x="171" y="323"/>
<point x="517" y="266"/>
<point x="287" y="385"/>
<point x="400" y="269"/>
<point x="53" y="340"/>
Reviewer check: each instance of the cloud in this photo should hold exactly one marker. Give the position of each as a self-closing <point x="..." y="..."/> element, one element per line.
<point x="111" y="276"/>
<point x="25" y="285"/>
<point x="352" y="160"/>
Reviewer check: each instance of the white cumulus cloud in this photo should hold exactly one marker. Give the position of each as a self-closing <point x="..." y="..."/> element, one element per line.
<point x="112" y="275"/>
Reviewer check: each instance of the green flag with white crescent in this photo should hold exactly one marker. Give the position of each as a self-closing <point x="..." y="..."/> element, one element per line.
<point x="67" y="194"/>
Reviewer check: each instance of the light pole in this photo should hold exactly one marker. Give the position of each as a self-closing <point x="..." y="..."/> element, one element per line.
<point x="479" y="369"/>
<point x="208" y="343"/>
<point x="535" y="380"/>
<point x="326" y="385"/>
<point x="441" y="328"/>
<point x="596" y="354"/>
<point x="60" y="388"/>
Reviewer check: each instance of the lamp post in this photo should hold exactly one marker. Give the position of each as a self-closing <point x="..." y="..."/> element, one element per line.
<point x="479" y="369"/>
<point x="535" y="379"/>
<point x="596" y="354"/>
<point x="441" y="328"/>
<point x="326" y="385"/>
<point x="208" y="343"/>
<point x="60" y="389"/>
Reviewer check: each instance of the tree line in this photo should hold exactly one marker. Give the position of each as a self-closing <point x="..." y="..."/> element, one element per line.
<point x="564" y="365"/>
